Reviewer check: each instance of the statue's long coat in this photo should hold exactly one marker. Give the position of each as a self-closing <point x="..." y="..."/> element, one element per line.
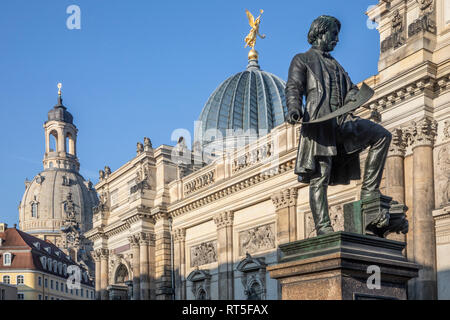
<point x="337" y="138"/>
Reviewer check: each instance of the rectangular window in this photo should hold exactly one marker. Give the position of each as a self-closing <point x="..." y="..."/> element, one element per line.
<point x="57" y="285"/>
<point x="62" y="286"/>
<point x="46" y="283"/>
<point x="76" y="292"/>
<point x="67" y="289"/>
<point x="20" y="279"/>
<point x="51" y="284"/>
<point x="71" y="291"/>
<point x="40" y="297"/>
<point x="20" y="296"/>
<point x="46" y="297"/>
<point x="82" y="293"/>
<point x="7" y="259"/>
<point x="40" y="281"/>
<point x="114" y="197"/>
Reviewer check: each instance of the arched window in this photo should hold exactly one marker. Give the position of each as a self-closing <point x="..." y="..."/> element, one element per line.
<point x="50" y="165"/>
<point x="70" y="144"/>
<point x="20" y="279"/>
<point x="7" y="258"/>
<point x="121" y="274"/>
<point x="55" y="266"/>
<point x="49" y="264"/>
<point x="6" y="279"/>
<point x="34" y="210"/>
<point x="53" y="140"/>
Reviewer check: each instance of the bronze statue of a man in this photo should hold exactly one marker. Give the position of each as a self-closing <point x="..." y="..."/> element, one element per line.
<point x="328" y="152"/>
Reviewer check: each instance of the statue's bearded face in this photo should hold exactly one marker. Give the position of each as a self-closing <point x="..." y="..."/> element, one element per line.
<point x="328" y="41"/>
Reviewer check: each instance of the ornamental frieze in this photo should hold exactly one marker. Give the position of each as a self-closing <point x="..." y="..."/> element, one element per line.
<point x="257" y="239"/>
<point x="204" y="253"/>
<point x="425" y="22"/>
<point x="396" y="39"/>
<point x="252" y="157"/>
<point x="443" y="176"/>
<point x="199" y="182"/>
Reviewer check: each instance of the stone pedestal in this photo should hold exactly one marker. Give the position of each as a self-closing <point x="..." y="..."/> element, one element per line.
<point x="343" y="266"/>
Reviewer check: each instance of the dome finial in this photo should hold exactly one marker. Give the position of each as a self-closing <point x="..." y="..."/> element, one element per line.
<point x="250" y="40"/>
<point x="59" y="93"/>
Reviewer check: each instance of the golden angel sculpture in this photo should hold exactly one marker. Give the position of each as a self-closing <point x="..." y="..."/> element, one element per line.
<point x="250" y="40"/>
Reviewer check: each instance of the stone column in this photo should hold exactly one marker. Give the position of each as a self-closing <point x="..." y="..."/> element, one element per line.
<point x="163" y="272"/>
<point x="179" y="238"/>
<point x="421" y="136"/>
<point x="143" y="265"/>
<point x="395" y="173"/>
<point x="104" y="254"/>
<point x="285" y="203"/>
<point x="134" y="243"/>
<point x="151" y="265"/>
<point x="224" y="223"/>
<point x="96" y="256"/>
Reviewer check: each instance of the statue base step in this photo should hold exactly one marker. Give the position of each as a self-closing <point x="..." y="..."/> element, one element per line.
<point x="343" y="266"/>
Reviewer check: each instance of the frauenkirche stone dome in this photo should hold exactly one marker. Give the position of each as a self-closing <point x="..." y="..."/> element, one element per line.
<point x="247" y="105"/>
<point x="59" y="193"/>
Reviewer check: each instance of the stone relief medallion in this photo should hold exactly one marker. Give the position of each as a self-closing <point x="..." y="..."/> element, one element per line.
<point x="257" y="239"/>
<point x="443" y="176"/>
<point x="203" y="253"/>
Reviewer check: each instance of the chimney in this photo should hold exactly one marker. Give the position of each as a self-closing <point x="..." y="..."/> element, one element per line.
<point x="3" y="227"/>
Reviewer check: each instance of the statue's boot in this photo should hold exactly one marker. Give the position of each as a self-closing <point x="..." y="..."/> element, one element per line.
<point x="318" y="200"/>
<point x="376" y="159"/>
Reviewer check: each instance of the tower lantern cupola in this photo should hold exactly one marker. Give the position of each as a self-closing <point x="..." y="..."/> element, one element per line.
<point x="60" y="138"/>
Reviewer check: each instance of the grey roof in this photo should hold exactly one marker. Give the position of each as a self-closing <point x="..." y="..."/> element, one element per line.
<point x="249" y="100"/>
<point x="60" y="113"/>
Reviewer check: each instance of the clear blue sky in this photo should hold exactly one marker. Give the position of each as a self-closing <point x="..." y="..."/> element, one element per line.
<point x="141" y="68"/>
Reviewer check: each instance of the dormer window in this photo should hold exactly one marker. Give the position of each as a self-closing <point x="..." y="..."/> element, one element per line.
<point x="59" y="267"/>
<point x="65" y="269"/>
<point x="48" y="249"/>
<point x="37" y="245"/>
<point x="49" y="264"/>
<point x="44" y="262"/>
<point x="58" y="253"/>
<point x="7" y="258"/>
<point x="55" y="266"/>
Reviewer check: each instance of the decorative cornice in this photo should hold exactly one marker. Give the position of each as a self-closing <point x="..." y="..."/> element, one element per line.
<point x="410" y="90"/>
<point x="285" y="198"/>
<point x="237" y="187"/>
<point x="224" y="219"/>
<point x="422" y="132"/>
<point x="179" y="235"/>
<point x="398" y="144"/>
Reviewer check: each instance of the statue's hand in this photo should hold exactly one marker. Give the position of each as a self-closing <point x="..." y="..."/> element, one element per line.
<point x="294" y="116"/>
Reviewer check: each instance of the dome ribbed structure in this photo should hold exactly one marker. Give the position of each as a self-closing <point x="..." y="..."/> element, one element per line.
<point x="249" y="103"/>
